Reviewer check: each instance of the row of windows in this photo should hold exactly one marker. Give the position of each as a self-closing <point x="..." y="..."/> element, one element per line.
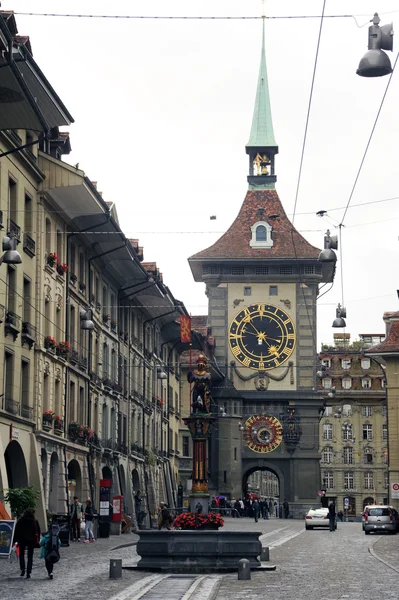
<point x="273" y="290"/>
<point x="347" y="431"/>
<point x="349" y="480"/>
<point x="327" y="455"/>
<point x="346" y="411"/>
<point x="347" y="383"/>
<point x="346" y="363"/>
<point x="261" y="270"/>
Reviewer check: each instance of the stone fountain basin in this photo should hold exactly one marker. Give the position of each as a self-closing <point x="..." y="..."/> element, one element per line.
<point x="197" y="551"/>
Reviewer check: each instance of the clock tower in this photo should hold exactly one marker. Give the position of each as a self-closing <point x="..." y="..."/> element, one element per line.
<point x="262" y="279"/>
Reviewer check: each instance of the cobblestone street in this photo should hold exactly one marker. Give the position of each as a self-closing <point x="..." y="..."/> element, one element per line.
<point x="311" y="565"/>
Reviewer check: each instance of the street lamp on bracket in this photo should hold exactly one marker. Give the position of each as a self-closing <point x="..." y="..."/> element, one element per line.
<point x="376" y="63"/>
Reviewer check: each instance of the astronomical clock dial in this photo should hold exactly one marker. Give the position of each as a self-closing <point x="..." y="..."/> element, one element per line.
<point x="263" y="434"/>
<point x="262" y="336"/>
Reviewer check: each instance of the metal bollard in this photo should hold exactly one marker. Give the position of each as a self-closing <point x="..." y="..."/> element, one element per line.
<point x="115" y="568"/>
<point x="244" y="570"/>
<point x="265" y="554"/>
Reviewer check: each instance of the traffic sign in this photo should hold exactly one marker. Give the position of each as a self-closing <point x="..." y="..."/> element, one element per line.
<point x="346" y="501"/>
<point x="395" y="490"/>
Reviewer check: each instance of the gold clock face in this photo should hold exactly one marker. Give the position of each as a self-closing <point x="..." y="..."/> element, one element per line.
<point x="263" y="434"/>
<point x="262" y="336"/>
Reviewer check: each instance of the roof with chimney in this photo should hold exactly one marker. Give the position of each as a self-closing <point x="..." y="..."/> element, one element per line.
<point x="391" y="343"/>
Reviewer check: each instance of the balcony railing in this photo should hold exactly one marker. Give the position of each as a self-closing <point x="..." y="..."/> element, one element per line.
<point x="83" y="362"/>
<point x="28" y="333"/>
<point x="12" y="324"/>
<point x="11" y="406"/>
<point x="27" y="412"/>
<point x="73" y="356"/>
<point x="14" y="230"/>
<point x="29" y="245"/>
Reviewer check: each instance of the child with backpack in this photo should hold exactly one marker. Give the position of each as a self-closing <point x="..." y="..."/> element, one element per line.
<point x="50" y="544"/>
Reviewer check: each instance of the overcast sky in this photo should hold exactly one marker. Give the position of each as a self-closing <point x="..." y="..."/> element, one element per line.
<point x="163" y="110"/>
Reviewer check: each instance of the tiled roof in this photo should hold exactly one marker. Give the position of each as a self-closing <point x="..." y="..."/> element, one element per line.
<point x="257" y="206"/>
<point x="391" y="342"/>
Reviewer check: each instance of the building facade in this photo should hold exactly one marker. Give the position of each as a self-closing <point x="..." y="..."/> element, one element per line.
<point x="90" y="341"/>
<point x="387" y="352"/>
<point x="262" y="280"/>
<point x="353" y="425"/>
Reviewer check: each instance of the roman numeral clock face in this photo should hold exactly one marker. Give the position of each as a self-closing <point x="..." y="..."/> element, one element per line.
<point x="262" y="336"/>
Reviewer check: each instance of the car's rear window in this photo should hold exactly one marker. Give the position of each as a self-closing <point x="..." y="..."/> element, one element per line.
<point x="379" y="512"/>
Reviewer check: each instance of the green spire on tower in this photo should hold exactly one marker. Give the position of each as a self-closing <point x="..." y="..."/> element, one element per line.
<point x="262" y="134"/>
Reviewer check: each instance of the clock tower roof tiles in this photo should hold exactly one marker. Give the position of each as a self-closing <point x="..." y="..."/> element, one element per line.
<point x="260" y="205"/>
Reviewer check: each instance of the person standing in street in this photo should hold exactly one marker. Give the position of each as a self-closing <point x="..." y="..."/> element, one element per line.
<point x="331" y="515"/>
<point x="265" y="511"/>
<point x="27" y="534"/>
<point x="76" y="514"/>
<point x="256" y="509"/>
<point x="286" y="508"/>
<point x="89" y="516"/>
<point x="50" y="544"/>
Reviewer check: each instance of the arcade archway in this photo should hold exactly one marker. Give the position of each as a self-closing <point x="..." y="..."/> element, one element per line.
<point x="135" y="480"/>
<point x="17" y="473"/>
<point x="74" y="479"/>
<point x="261" y="482"/>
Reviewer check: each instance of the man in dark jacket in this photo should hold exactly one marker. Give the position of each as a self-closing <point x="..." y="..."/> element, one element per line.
<point x="256" y="510"/>
<point x="27" y="533"/>
<point x="331" y="515"/>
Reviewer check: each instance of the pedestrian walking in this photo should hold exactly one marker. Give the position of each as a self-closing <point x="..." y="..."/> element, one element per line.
<point x="286" y="508"/>
<point x="89" y="517"/>
<point x="331" y="515"/>
<point x="27" y="534"/>
<point x="164" y="518"/>
<point x="50" y="545"/>
<point x="270" y="508"/>
<point x="340" y="515"/>
<point x="265" y="511"/>
<point x="276" y="510"/>
<point x="242" y="507"/>
<point x="256" y="510"/>
<point x="76" y="514"/>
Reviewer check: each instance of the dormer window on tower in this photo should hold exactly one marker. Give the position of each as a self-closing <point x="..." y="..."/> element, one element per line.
<point x="261" y="235"/>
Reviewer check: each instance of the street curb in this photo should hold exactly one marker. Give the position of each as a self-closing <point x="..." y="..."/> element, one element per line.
<point x="375" y="555"/>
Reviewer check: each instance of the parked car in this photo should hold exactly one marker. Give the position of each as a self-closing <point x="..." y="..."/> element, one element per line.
<point x="396" y="516"/>
<point x="364" y="512"/>
<point x="379" y="518"/>
<point x="317" y="517"/>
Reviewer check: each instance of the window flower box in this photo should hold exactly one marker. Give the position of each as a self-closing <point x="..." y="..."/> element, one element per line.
<point x="50" y="343"/>
<point x="51" y="259"/>
<point x="106" y="317"/>
<point x="82" y="287"/>
<point x="73" y="278"/>
<point x="47" y="420"/>
<point x="61" y="268"/>
<point x="58" y="425"/>
<point x="63" y="349"/>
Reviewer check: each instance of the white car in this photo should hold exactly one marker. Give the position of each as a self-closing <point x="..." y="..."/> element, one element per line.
<point x="317" y="517"/>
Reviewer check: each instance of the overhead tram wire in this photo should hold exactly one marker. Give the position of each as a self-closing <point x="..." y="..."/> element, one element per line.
<point x="301" y="164"/>
<point x="189" y="18"/>
<point x="308" y="111"/>
<point x="369" y="141"/>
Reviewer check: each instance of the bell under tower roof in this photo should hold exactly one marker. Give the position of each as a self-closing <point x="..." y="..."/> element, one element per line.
<point x="262" y="146"/>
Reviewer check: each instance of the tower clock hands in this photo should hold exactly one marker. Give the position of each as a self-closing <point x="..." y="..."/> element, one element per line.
<point x="263" y="336"/>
